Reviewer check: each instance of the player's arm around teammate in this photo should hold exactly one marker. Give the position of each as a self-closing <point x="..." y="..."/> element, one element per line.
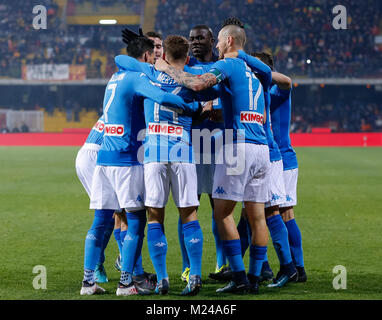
<point x="232" y="38"/>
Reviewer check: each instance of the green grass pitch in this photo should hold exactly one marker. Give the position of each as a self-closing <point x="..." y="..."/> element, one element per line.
<point x="44" y="218"/>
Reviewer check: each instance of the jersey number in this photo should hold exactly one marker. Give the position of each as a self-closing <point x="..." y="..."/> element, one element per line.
<point x="111" y="87"/>
<point x="158" y="107"/>
<point x="253" y="100"/>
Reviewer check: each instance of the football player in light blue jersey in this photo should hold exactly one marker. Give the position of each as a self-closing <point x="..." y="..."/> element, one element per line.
<point x="85" y="164"/>
<point x="281" y="116"/>
<point x="276" y="226"/>
<point x="169" y="164"/>
<point x="201" y="44"/>
<point x="243" y="101"/>
<point x="118" y="181"/>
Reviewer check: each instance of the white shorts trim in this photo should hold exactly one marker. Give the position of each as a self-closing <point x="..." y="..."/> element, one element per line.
<point x="86" y="161"/>
<point x="117" y="188"/>
<point x="179" y="177"/>
<point x="276" y="186"/>
<point x="290" y="181"/>
<point x="252" y="182"/>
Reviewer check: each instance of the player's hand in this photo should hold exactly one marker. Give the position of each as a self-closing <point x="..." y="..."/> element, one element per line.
<point x="207" y="107"/>
<point x="161" y="65"/>
<point x="231" y="54"/>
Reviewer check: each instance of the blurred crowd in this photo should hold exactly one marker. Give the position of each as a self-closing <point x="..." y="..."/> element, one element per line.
<point x="348" y="116"/>
<point x="295" y="31"/>
<point x="298" y="32"/>
<point x="21" y="44"/>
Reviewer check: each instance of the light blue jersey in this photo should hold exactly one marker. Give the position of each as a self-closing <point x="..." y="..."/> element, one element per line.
<point x="253" y="63"/>
<point x="274" y="151"/>
<point x="281" y="116"/>
<point x="124" y="118"/>
<point x="96" y="133"/>
<point x="168" y="133"/>
<point x="242" y="99"/>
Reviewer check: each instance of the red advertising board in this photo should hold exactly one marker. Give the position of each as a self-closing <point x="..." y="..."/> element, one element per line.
<point x="77" y="138"/>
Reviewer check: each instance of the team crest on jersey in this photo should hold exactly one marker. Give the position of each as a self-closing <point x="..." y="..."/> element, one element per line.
<point x="116" y="130"/>
<point x="99" y="126"/>
<point x="251" y="117"/>
<point x="165" y="129"/>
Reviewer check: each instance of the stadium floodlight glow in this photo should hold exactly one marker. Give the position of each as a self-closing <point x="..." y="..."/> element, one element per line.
<point x="308" y="61"/>
<point x="108" y="21"/>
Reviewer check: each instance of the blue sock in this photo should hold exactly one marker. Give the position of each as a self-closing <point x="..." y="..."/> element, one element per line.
<point x="279" y="235"/>
<point x="132" y="243"/>
<point x="232" y="250"/>
<point x="123" y="235"/>
<point x="117" y="236"/>
<point x="266" y="266"/>
<point x="257" y="254"/>
<point x="183" y="250"/>
<point x="193" y="239"/>
<point x="157" y="245"/>
<point x="242" y="228"/>
<point x="94" y="242"/>
<point x="295" y="242"/>
<point x="221" y="259"/>
<point x="106" y="237"/>
<point x="138" y="268"/>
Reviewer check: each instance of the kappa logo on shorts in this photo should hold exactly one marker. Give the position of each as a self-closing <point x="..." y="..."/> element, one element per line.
<point x="275" y="197"/>
<point x="220" y="190"/>
<point x="251" y="117"/>
<point x="288" y="198"/>
<point x="165" y="129"/>
<point x="115" y="130"/>
<point x="139" y="198"/>
<point x="99" y="126"/>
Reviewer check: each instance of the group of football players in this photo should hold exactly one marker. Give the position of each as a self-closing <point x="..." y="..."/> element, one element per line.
<point x="192" y="125"/>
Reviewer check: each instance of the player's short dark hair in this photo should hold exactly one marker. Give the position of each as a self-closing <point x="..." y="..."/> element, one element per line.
<point x="204" y="27"/>
<point x="176" y="47"/>
<point x="138" y="46"/>
<point x="153" y="34"/>
<point x="233" y="22"/>
<point x="265" y="57"/>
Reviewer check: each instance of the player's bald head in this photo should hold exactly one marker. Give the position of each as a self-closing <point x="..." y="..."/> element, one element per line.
<point x="237" y="33"/>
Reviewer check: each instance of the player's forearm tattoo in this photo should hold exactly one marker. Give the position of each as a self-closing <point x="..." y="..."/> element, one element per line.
<point x="190" y="80"/>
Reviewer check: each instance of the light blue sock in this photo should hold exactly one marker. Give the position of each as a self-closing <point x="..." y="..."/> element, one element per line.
<point x="117" y="236"/>
<point x="138" y="268"/>
<point x="106" y="237"/>
<point x="221" y="259"/>
<point x="94" y="242"/>
<point x="123" y="235"/>
<point x="245" y="240"/>
<point x="257" y="254"/>
<point x="132" y="243"/>
<point x="157" y="245"/>
<point x="279" y="235"/>
<point x="183" y="250"/>
<point x="232" y="250"/>
<point x="295" y="242"/>
<point x="193" y="239"/>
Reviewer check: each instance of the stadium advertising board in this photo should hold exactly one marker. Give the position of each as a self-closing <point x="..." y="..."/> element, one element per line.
<point x="47" y="72"/>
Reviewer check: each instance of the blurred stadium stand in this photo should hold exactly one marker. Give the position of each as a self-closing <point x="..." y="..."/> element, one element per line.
<point x="62" y="70"/>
